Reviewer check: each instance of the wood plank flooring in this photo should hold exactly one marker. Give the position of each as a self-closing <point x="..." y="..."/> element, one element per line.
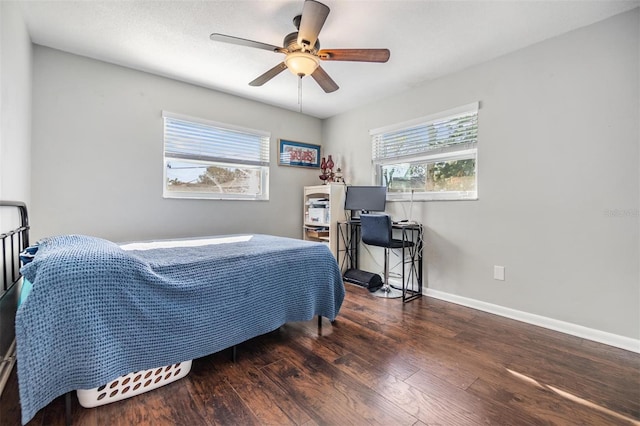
<point x="427" y="362"/>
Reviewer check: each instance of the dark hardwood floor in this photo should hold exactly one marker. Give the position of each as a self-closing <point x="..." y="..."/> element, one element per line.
<point x="427" y="362"/>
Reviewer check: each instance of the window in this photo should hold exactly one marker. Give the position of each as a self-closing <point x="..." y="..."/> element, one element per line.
<point x="204" y="159"/>
<point x="431" y="158"/>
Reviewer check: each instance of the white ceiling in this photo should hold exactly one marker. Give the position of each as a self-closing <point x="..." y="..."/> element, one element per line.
<point x="427" y="39"/>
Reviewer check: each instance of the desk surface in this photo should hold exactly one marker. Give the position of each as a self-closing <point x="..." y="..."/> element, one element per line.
<point x="408" y="224"/>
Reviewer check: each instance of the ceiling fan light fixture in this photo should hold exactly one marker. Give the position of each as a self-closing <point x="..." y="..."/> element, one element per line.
<point x="301" y="63"/>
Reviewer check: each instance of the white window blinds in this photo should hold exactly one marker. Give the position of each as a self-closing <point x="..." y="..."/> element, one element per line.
<point x="450" y="131"/>
<point x="196" y="139"/>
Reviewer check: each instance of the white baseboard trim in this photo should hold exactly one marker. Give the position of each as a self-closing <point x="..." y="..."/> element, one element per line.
<point x="610" y="339"/>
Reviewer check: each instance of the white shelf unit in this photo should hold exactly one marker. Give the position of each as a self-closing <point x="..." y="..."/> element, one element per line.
<point x="323" y="208"/>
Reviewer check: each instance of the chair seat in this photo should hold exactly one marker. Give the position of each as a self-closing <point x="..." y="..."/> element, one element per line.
<point x="398" y="244"/>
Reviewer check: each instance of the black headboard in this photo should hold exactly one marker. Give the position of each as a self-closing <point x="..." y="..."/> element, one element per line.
<point x="13" y="240"/>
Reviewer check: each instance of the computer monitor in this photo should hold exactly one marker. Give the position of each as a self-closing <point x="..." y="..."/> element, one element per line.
<point x="365" y="199"/>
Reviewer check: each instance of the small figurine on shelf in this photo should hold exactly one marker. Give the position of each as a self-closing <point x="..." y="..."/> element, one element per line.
<point x="327" y="170"/>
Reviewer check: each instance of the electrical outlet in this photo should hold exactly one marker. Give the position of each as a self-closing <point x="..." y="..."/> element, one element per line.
<point x="498" y="273"/>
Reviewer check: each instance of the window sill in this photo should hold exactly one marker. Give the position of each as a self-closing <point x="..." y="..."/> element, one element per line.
<point x="432" y="196"/>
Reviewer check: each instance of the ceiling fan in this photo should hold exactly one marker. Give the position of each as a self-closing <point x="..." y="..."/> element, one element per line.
<point x="302" y="49"/>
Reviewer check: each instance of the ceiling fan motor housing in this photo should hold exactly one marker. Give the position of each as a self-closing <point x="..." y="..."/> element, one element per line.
<point x="290" y="43"/>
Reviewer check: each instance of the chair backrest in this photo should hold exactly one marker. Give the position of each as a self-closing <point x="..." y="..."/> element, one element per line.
<point x="376" y="229"/>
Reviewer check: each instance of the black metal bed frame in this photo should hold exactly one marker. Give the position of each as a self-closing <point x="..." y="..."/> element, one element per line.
<point x="12" y="242"/>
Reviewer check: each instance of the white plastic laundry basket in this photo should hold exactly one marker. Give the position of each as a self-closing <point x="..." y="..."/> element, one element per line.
<point x="133" y="384"/>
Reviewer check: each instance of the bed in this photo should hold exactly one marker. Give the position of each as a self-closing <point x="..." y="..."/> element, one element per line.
<point x="98" y="310"/>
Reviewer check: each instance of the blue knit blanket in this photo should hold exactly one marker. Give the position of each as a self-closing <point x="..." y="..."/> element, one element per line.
<point x="97" y="312"/>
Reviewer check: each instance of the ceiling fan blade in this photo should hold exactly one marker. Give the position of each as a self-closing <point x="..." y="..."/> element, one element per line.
<point x="322" y="78"/>
<point x="243" y="42"/>
<point x="360" y="55"/>
<point x="313" y="16"/>
<point x="269" y="75"/>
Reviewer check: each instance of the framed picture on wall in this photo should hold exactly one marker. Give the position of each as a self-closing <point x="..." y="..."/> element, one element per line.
<point x="299" y="154"/>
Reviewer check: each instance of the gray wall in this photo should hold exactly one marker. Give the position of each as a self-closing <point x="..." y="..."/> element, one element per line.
<point x="558" y="166"/>
<point x="558" y="178"/>
<point x="97" y="155"/>
<point x="15" y="105"/>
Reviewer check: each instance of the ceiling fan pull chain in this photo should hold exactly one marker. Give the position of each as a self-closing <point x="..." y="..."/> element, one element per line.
<point x="300" y="94"/>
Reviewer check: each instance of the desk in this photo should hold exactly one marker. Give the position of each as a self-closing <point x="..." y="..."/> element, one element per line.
<point x="348" y="240"/>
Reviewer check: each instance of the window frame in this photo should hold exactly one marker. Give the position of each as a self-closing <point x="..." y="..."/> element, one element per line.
<point x="467" y="150"/>
<point x="261" y="163"/>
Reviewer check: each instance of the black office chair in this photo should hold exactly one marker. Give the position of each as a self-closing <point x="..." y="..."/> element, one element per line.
<point x="377" y="230"/>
